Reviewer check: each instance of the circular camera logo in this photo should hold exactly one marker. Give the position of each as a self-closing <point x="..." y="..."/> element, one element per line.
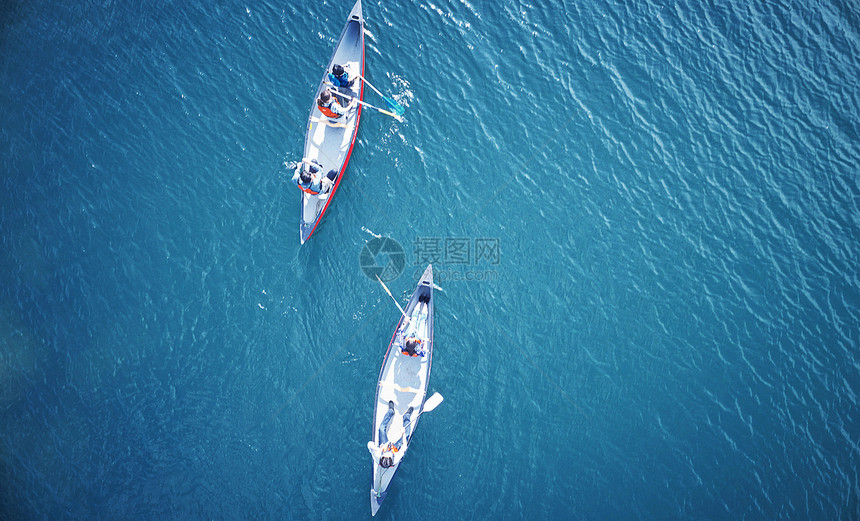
<point x="382" y="257"/>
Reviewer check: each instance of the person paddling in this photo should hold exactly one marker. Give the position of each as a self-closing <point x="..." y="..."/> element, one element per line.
<point x="388" y="453"/>
<point x="414" y="329"/>
<point x="413" y="346"/>
<point x="331" y="107"/>
<point x="339" y="77"/>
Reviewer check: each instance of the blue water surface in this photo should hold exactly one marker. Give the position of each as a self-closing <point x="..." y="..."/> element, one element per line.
<point x="643" y="217"/>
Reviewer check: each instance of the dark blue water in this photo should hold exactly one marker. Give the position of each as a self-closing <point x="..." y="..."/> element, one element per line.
<point x="644" y="219"/>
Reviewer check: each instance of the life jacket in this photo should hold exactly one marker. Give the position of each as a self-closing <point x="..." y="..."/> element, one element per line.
<point x="326" y="110"/>
<point x="391" y="447"/>
<point x="340" y="81"/>
<point x="307" y="190"/>
<point x="417" y="348"/>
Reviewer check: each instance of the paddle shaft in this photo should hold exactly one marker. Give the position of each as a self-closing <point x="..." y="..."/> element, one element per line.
<point x="342" y="95"/>
<point x="392" y="297"/>
<point x="370" y="85"/>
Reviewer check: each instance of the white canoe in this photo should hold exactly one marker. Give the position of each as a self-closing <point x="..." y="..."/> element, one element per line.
<point x="403" y="380"/>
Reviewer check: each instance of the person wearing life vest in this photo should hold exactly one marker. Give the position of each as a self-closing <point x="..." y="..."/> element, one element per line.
<point x="413" y="346"/>
<point x="309" y="179"/>
<point x="414" y="329"/>
<point x="388" y="453"/>
<point x="339" y="77"/>
<point x="331" y="107"/>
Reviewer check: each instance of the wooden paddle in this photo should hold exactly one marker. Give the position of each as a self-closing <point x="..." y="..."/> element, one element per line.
<point x="328" y="123"/>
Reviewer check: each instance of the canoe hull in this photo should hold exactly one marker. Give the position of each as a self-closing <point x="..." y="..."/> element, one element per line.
<point x="328" y="141"/>
<point x="404" y="380"/>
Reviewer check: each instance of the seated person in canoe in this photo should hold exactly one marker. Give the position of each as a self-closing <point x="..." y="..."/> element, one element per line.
<point x="388" y="453"/>
<point x="331" y="107"/>
<point x="414" y="334"/>
<point x="308" y="177"/>
<point x="339" y="76"/>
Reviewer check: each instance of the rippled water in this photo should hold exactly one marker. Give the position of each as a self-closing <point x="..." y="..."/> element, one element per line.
<point x="657" y="317"/>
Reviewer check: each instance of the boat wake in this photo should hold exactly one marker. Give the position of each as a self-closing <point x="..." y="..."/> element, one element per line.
<point x="377" y="235"/>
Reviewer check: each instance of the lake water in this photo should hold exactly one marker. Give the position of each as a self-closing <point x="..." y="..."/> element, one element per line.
<point x="644" y="218"/>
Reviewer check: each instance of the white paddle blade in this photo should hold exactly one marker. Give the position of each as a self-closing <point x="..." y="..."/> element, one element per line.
<point x="433" y="402"/>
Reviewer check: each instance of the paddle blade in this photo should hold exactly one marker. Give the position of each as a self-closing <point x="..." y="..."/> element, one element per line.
<point x="397" y="108"/>
<point x="432" y="402"/>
